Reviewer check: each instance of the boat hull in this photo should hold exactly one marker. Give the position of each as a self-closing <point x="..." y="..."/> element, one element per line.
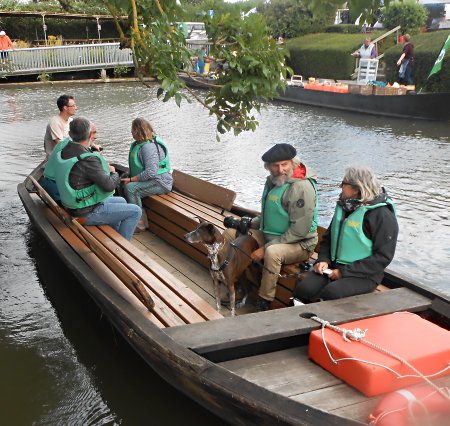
<point x="426" y="106"/>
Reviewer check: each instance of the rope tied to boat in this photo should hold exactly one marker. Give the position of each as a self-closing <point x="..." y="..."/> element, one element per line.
<point x="359" y="335"/>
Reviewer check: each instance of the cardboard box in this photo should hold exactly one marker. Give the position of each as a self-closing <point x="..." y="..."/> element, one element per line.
<point x="377" y="90"/>
<point x="422" y="343"/>
<point x="360" y="89"/>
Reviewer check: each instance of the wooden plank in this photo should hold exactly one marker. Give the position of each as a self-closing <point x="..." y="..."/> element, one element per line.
<point x="283" y="323"/>
<point x="203" y="190"/>
<point x="196" y="276"/>
<point x="176" y="231"/>
<point x="184" y="247"/>
<point x="100" y="268"/>
<point x="189" y="203"/>
<point x="216" y="209"/>
<point x="177" y="287"/>
<point x="287" y="372"/>
<point x="189" y="211"/>
<point x="168" y="298"/>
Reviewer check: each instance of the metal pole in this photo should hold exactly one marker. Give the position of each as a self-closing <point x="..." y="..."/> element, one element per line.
<point x="44" y="28"/>
<point x="99" y="28"/>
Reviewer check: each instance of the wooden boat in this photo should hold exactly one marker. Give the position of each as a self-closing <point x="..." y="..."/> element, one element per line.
<point x="249" y="369"/>
<point x="424" y="106"/>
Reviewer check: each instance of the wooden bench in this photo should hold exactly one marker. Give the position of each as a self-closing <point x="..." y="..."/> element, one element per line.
<point x="175" y="303"/>
<point x="172" y="215"/>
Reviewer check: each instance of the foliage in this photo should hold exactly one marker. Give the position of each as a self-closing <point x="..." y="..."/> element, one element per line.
<point x="410" y="15"/>
<point x="343" y="29"/>
<point x="324" y="55"/>
<point x="368" y="9"/>
<point x="43" y="77"/>
<point x="120" y="70"/>
<point x="72" y="6"/>
<point x="195" y="10"/>
<point x="287" y="18"/>
<point x="325" y="10"/>
<point x="426" y="50"/>
<point x="249" y="66"/>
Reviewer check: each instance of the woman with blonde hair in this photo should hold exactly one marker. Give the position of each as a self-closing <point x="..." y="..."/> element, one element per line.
<point x="357" y="246"/>
<point x="149" y="166"/>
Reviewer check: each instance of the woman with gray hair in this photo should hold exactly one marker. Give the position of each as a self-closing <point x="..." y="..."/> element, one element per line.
<point x="359" y="243"/>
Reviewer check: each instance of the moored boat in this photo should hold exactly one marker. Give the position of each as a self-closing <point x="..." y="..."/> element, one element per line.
<point x="422" y="106"/>
<point x="250" y="369"/>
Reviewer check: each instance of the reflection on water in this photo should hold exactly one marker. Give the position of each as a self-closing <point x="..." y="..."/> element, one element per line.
<point x="70" y="368"/>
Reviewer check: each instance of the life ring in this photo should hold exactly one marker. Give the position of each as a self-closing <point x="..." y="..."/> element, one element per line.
<point x="416" y="405"/>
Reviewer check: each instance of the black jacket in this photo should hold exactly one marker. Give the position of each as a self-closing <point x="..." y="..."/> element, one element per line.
<point x="87" y="172"/>
<point x="379" y="225"/>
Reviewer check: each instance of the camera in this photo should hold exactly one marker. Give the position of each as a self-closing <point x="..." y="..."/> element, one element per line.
<point x="242" y="224"/>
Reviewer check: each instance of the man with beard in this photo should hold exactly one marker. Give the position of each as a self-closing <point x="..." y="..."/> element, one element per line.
<point x="288" y="222"/>
<point x="359" y="243"/>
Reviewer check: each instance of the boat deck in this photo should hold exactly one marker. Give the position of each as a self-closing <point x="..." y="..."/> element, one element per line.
<point x="291" y="374"/>
<point x="184" y="268"/>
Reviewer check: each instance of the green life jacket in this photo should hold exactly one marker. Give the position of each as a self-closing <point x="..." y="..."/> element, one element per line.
<point x="348" y="241"/>
<point x="136" y="167"/>
<point x="78" y="198"/>
<point x="275" y="217"/>
<point x="49" y="171"/>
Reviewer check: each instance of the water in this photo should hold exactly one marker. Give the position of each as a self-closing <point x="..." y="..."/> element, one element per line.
<point x="60" y="362"/>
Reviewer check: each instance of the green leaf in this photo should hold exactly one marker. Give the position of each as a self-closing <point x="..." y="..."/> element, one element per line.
<point x="178" y="99"/>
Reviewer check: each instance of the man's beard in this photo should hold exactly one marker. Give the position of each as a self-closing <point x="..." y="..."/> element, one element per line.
<point x="282" y="178"/>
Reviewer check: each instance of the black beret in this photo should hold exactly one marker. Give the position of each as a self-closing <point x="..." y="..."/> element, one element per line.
<point x="279" y="152"/>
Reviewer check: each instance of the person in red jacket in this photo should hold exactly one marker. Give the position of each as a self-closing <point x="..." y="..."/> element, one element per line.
<point x="5" y="44"/>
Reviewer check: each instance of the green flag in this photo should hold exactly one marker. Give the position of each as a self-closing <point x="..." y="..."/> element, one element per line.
<point x="438" y="64"/>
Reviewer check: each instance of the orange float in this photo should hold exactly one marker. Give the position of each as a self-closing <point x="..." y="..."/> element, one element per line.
<point x="418" y="405"/>
<point x="410" y="341"/>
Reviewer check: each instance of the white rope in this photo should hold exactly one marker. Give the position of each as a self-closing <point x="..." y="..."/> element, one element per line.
<point x="358" y="335"/>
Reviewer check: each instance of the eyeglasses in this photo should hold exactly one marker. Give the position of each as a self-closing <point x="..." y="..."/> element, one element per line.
<point x="347" y="183"/>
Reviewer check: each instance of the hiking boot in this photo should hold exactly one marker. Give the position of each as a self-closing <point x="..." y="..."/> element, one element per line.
<point x="262" y="305"/>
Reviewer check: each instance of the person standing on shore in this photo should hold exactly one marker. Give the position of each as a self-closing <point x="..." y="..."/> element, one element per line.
<point x="5" y="44"/>
<point x="58" y="126"/>
<point x="367" y="50"/>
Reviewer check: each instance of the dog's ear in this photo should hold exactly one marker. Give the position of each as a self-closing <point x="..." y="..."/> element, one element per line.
<point x="210" y="228"/>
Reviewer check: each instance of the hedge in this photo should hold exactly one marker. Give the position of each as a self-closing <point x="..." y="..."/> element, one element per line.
<point x="426" y="50"/>
<point x="325" y="55"/>
<point x="30" y="29"/>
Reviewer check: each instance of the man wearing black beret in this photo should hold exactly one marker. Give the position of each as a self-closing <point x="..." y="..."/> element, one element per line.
<point x="288" y="222"/>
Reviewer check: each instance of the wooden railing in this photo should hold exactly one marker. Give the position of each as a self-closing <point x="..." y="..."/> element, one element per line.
<point x="64" y="58"/>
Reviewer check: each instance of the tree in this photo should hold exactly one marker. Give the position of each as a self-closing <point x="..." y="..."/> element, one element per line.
<point x="287" y="18"/>
<point x="250" y="66"/>
<point x="324" y="10"/>
<point x="409" y="15"/>
<point x="365" y="8"/>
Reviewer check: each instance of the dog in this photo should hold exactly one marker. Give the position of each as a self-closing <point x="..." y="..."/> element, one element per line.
<point x="229" y="260"/>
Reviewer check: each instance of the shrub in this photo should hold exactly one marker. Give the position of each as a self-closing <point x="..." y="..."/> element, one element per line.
<point x="411" y="16"/>
<point x="426" y="50"/>
<point x="343" y="28"/>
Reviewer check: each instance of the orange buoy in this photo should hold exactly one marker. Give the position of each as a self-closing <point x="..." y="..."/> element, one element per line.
<point x="418" y="405"/>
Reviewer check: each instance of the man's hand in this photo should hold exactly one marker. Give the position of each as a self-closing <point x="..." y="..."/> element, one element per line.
<point x="96" y="147"/>
<point x="319" y="267"/>
<point x="335" y="275"/>
<point x="112" y="169"/>
<point x="258" y="254"/>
